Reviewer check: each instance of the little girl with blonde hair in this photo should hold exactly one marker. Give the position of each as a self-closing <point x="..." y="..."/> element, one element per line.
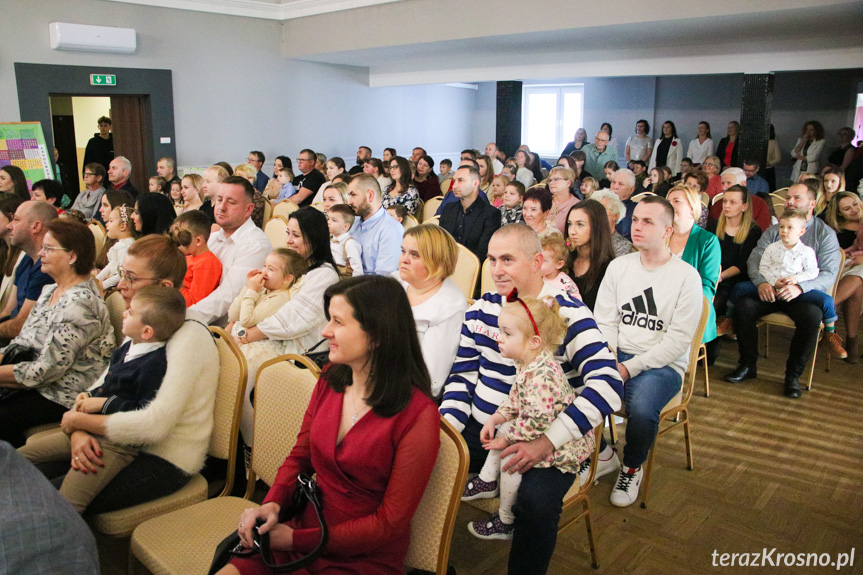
<point x="530" y="331"/>
<point x="119" y="227"/>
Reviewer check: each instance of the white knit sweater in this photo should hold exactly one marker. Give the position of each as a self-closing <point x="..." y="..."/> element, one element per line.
<point x="176" y="425"/>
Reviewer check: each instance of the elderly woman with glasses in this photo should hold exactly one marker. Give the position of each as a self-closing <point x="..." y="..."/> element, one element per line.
<point x="560" y="181"/>
<point x="66" y="341"/>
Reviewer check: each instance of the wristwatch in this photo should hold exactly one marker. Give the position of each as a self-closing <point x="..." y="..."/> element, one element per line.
<point x="241" y="333"/>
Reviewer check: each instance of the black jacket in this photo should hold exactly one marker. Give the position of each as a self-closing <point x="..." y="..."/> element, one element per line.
<point x="472" y="228"/>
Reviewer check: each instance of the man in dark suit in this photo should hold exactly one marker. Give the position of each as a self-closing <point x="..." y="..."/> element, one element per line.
<point x="471" y="220"/>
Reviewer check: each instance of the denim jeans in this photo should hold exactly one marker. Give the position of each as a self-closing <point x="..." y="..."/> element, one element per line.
<point x="645" y="396"/>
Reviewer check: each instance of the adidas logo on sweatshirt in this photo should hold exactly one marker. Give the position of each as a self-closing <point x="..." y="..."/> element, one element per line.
<point x="641" y="312"/>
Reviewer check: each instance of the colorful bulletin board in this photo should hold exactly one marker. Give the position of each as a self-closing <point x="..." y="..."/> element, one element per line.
<point x="22" y="144"/>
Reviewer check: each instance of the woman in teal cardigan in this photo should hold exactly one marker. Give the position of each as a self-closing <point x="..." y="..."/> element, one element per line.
<point x="700" y="249"/>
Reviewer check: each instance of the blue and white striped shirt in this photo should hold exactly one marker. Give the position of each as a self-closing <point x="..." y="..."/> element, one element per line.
<point x="481" y="378"/>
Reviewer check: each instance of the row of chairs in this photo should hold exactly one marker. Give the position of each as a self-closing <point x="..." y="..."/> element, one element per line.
<point x="178" y="533"/>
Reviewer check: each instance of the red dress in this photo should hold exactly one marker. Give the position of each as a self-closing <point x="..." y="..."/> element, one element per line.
<point x="371" y="484"/>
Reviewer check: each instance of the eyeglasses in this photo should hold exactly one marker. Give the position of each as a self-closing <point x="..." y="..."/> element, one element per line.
<point x="130" y="279"/>
<point x="395" y="167"/>
<point x="556" y="180"/>
<point x="88" y="174"/>
<point x="306" y="159"/>
<point x="49" y="249"/>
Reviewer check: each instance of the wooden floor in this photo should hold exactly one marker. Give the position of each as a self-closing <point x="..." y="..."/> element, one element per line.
<point x="769" y="472"/>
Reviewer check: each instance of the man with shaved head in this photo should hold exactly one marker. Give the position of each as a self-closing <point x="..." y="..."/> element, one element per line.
<point x="648" y="306"/>
<point x="26" y="231"/>
<point x="481" y="379"/>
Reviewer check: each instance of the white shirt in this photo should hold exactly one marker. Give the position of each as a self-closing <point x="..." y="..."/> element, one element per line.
<point x="345" y="244"/>
<point x="139" y="349"/>
<point x="245" y="250"/>
<point x="698" y="151"/>
<point x="439" y="320"/>
<point x="638" y="147"/>
<point x="497" y="165"/>
<point x="779" y="262"/>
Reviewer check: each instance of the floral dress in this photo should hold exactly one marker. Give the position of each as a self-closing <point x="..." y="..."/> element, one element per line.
<point x="409" y="199"/>
<point x="537" y="397"/>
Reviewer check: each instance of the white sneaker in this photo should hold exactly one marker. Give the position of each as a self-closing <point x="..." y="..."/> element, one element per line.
<point x="625" y="492"/>
<point x="608" y="462"/>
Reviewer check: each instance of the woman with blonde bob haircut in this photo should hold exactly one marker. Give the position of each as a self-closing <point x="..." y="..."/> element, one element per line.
<point x="429" y="256"/>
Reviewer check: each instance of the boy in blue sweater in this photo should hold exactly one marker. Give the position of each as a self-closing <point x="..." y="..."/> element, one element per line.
<point x="131" y="382"/>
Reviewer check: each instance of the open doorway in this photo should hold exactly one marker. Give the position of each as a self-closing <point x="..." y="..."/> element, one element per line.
<point x="141" y="107"/>
<point x="75" y="122"/>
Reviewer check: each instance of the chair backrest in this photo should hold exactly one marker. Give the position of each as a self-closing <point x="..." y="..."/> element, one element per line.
<point x="432" y="524"/>
<point x="781" y="192"/>
<point x="435" y="221"/>
<point x="705" y="199"/>
<point x="642" y="195"/>
<point x="779" y="209"/>
<point x="418" y="212"/>
<point x="282" y="394"/>
<point x="777" y="199"/>
<point x="268" y="210"/>
<point x="116" y="306"/>
<point x="318" y="206"/>
<point x="431" y="207"/>
<point x="276" y="231"/>
<point x="718" y="197"/>
<point x="486" y="284"/>
<point x="284" y="208"/>
<point x="444" y="185"/>
<point x="838" y="273"/>
<point x="694" y="346"/>
<point x="233" y="375"/>
<point x="466" y="271"/>
<point x="410" y="222"/>
<point x="98" y="231"/>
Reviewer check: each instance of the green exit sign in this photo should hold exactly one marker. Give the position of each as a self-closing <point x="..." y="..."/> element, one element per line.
<point x="103" y="80"/>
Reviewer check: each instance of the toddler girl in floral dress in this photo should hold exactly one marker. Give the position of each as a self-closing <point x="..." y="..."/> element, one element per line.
<point x="530" y="331"/>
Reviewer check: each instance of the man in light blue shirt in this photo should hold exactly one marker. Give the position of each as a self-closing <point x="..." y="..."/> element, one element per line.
<point x="379" y="234"/>
<point x="598" y="153"/>
<point x="755" y="183"/>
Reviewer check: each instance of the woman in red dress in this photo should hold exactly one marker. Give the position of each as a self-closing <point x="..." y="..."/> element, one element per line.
<point x="371" y="434"/>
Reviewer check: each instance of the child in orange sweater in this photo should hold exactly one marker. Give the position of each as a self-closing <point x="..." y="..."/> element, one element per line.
<point x="190" y="232"/>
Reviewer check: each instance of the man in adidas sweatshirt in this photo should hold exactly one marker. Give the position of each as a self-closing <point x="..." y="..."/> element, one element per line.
<point x="481" y="378"/>
<point x="648" y="307"/>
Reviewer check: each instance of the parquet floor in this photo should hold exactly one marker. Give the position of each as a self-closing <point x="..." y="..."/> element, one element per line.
<point x="769" y="472"/>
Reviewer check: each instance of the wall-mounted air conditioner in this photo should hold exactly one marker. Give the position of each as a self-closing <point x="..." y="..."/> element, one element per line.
<point x="82" y="37"/>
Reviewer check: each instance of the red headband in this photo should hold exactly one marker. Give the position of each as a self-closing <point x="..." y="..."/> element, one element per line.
<point x="513" y="297"/>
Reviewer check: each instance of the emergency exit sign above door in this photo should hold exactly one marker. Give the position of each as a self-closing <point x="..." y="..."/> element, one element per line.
<point x="103" y="80"/>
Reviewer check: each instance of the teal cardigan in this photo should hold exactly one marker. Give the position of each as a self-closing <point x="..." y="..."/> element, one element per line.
<point x="702" y="252"/>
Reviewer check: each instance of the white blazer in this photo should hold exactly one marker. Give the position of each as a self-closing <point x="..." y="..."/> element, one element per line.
<point x="675" y="154"/>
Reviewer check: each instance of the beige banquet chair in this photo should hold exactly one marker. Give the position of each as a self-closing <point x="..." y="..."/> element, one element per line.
<point x="676" y="412"/>
<point x="183" y="542"/>
<point x="223" y="445"/>
<point x="276" y="231"/>
<point x="466" y="272"/>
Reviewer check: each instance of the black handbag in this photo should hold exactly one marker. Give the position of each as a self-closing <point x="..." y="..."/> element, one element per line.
<point x="15" y="354"/>
<point x="321" y="358"/>
<point x="230" y="547"/>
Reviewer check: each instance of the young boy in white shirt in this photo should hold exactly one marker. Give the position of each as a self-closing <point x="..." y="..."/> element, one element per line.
<point x="347" y="251"/>
<point x="788" y="262"/>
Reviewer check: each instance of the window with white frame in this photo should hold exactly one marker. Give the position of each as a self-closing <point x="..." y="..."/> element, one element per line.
<point x="550" y="116"/>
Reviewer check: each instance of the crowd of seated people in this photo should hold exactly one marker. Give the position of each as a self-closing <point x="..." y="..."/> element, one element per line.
<point x="660" y="226"/>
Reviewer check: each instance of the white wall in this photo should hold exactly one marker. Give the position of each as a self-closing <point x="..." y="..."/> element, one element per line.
<point x="87" y="111"/>
<point x="233" y="89"/>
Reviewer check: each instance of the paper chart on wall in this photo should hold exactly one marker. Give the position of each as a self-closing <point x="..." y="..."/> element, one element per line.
<point x="22" y="144"/>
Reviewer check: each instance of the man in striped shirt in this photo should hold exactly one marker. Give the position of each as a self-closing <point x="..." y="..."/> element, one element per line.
<point x="481" y="378"/>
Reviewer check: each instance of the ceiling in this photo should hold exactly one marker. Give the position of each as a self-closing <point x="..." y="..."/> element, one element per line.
<point x="266" y="9"/>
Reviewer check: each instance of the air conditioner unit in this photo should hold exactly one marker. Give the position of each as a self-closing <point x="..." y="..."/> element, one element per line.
<point x="82" y="37"/>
